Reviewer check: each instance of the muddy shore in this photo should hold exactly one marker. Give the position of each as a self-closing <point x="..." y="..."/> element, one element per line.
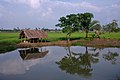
<point x="82" y="42"/>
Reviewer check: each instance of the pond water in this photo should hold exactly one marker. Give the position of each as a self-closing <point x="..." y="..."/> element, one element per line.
<point x="61" y="63"/>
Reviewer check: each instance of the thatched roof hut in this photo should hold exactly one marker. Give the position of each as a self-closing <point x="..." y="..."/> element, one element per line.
<point x="33" y="35"/>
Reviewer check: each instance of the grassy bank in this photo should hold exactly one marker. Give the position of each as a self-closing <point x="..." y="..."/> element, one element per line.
<point x="8" y="40"/>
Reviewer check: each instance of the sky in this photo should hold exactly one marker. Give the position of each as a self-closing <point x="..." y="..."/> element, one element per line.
<point x="46" y="13"/>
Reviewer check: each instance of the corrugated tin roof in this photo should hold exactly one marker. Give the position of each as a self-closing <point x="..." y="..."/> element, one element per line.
<point x="34" y="34"/>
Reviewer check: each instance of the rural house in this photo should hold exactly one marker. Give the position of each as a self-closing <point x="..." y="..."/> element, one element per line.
<point x="32" y="36"/>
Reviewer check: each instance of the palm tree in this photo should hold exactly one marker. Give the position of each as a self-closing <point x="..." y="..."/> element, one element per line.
<point x="94" y="25"/>
<point x="85" y="20"/>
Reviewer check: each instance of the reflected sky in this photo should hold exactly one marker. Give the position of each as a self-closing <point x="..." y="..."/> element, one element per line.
<point x="14" y="67"/>
<point x="11" y="63"/>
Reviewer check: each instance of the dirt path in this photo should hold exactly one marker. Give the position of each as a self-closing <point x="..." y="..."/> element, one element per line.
<point x="94" y="42"/>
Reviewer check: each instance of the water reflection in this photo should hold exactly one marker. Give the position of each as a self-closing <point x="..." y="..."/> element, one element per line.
<point x="75" y="63"/>
<point x="111" y="56"/>
<point x="19" y="61"/>
<point x="32" y="53"/>
<point x="78" y="63"/>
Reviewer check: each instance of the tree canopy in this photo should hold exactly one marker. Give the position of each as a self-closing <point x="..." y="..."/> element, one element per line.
<point x="75" y="22"/>
<point x="69" y="24"/>
<point x="111" y="27"/>
<point x="85" y="20"/>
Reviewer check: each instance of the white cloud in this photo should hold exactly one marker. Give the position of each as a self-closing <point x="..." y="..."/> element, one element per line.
<point x="48" y="13"/>
<point x="116" y="6"/>
<point x="81" y="5"/>
<point x="35" y="4"/>
<point x="40" y="12"/>
<point x="89" y="6"/>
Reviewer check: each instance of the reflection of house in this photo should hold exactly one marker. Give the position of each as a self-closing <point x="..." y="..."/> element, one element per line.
<point x="32" y="53"/>
<point x="32" y="35"/>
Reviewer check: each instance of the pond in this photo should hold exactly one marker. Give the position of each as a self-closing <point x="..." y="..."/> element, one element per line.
<point x="61" y="63"/>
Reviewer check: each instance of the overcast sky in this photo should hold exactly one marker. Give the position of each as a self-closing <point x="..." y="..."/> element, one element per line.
<point x="45" y="13"/>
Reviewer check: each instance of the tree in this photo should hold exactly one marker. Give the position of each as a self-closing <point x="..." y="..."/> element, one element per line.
<point x="94" y="25"/>
<point x="69" y="24"/>
<point x="85" y="20"/>
<point x="111" y="27"/>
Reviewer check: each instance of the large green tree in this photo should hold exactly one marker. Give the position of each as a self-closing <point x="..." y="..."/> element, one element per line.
<point x="85" y="20"/>
<point x="69" y="24"/>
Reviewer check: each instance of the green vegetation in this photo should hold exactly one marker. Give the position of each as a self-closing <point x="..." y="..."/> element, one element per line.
<point x="13" y="37"/>
<point x="9" y="40"/>
<point x="55" y="36"/>
<point x="112" y="35"/>
<point x="74" y="22"/>
<point x="6" y="48"/>
<point x="70" y="24"/>
<point x="111" y="27"/>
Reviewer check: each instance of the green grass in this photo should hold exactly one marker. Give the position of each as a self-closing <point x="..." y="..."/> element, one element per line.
<point x="8" y="41"/>
<point x="111" y="35"/>
<point x="55" y="36"/>
<point x="12" y="38"/>
<point x="9" y="38"/>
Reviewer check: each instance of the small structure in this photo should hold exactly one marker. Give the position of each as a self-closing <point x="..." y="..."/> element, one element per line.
<point x="32" y="36"/>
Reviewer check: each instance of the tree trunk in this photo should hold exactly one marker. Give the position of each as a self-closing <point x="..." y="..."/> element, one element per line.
<point x="86" y="33"/>
<point x="69" y="36"/>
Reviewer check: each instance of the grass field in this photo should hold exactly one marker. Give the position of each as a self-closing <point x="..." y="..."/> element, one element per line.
<point x="8" y="40"/>
<point x="13" y="37"/>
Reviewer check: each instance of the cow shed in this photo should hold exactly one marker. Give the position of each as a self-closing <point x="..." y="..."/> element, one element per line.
<point x="32" y="36"/>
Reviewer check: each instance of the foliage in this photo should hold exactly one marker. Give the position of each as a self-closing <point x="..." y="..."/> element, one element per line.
<point x="69" y="24"/>
<point x="6" y="48"/>
<point x="94" y="25"/>
<point x="75" y="22"/>
<point x="111" y="27"/>
<point x="85" y="20"/>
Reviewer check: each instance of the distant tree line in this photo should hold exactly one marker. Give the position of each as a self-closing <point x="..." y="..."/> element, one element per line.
<point x="36" y="28"/>
<point x="111" y="27"/>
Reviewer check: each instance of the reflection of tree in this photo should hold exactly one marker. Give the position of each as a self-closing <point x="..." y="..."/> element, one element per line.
<point x="78" y="63"/>
<point x="111" y="56"/>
